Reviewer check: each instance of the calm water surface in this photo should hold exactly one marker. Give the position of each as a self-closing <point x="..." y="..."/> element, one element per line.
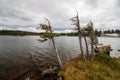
<point x="15" y="51"/>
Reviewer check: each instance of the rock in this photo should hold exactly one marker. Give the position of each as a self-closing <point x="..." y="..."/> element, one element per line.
<point x="118" y="49"/>
<point x="104" y="48"/>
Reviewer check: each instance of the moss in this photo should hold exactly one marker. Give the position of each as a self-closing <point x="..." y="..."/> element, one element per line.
<point x="100" y="69"/>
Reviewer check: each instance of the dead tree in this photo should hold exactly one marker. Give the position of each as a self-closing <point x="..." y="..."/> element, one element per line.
<point x="48" y="29"/>
<point x="76" y="22"/>
<point x="93" y="39"/>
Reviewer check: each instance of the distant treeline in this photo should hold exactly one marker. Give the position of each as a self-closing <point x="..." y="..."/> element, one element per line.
<point x="17" y="32"/>
<point x="23" y="33"/>
<point x="69" y="34"/>
<point x="112" y="31"/>
<point x="99" y="33"/>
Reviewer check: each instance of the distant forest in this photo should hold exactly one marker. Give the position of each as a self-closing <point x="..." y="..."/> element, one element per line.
<point x="99" y="33"/>
<point x="23" y="33"/>
<point x="17" y="32"/>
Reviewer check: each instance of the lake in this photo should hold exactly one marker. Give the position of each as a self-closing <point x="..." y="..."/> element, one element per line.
<point x="15" y="51"/>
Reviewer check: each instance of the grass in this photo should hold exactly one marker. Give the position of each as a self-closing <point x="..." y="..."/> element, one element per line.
<point x="103" y="68"/>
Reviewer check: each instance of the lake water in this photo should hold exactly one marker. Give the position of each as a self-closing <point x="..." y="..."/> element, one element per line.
<point x="15" y="51"/>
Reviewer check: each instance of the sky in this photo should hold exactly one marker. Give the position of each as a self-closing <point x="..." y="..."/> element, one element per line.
<point x="28" y="14"/>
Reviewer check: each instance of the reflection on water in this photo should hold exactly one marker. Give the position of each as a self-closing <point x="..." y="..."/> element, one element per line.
<point x="15" y="51"/>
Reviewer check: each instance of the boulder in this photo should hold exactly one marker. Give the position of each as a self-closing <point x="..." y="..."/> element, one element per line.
<point x="106" y="48"/>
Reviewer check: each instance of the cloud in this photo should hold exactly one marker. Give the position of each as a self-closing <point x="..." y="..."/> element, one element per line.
<point x="29" y="13"/>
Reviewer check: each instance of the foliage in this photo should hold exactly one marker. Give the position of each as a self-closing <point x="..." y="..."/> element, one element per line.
<point x="111" y="31"/>
<point x="75" y="21"/>
<point x="93" y="38"/>
<point x="17" y="32"/>
<point x="108" y="61"/>
<point x="78" y="69"/>
<point x="44" y="27"/>
<point x="50" y="35"/>
<point x="98" y="33"/>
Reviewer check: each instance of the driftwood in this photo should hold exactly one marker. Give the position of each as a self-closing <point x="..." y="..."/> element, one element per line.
<point x="45" y="72"/>
<point x="48" y="71"/>
<point x="35" y="63"/>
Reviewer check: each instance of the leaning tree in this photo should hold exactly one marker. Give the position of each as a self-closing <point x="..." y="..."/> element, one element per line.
<point x="93" y="38"/>
<point x="50" y="35"/>
<point x="76" y="22"/>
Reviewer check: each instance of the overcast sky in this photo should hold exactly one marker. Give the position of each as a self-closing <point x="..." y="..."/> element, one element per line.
<point x="27" y="14"/>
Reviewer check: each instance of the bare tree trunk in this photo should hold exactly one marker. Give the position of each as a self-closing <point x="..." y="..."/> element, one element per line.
<point x="80" y="34"/>
<point x="80" y="42"/>
<point x="87" y="53"/>
<point x="92" y="45"/>
<point x="56" y="51"/>
<point x="54" y="46"/>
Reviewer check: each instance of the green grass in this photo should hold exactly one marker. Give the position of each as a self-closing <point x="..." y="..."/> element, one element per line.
<point x="103" y="68"/>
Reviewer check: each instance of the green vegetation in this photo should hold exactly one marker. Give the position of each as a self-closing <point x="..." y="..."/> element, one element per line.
<point x="17" y="32"/>
<point x="112" y="31"/>
<point x="50" y="35"/>
<point x="99" y="32"/>
<point x="108" y="61"/>
<point x="103" y="68"/>
<point x="69" y="34"/>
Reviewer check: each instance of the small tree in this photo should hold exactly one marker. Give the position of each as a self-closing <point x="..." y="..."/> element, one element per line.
<point x="48" y="29"/>
<point x="93" y="38"/>
<point x="76" y="22"/>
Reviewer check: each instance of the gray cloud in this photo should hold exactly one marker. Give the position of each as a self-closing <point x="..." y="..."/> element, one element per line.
<point x="29" y="13"/>
<point x="92" y="3"/>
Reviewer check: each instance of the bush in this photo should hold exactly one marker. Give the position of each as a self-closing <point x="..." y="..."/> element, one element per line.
<point x="107" y="60"/>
